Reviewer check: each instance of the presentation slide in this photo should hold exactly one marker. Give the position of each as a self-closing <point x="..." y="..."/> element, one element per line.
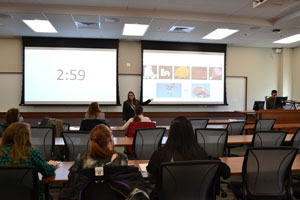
<point x="183" y="77"/>
<point x="70" y="75"/>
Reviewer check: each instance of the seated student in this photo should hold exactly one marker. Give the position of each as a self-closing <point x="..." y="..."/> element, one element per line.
<point x="94" y="112"/>
<point x="270" y="102"/>
<point x="12" y="115"/>
<point x="16" y="149"/>
<point x="138" y="117"/>
<point x="102" y="151"/>
<point x="181" y="145"/>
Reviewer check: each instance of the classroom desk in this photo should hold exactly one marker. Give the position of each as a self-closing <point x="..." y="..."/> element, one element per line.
<point x="235" y="164"/>
<point x="127" y="141"/>
<point x="276" y="126"/>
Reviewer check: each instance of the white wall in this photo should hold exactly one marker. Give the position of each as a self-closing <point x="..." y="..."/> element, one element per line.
<point x="262" y="66"/>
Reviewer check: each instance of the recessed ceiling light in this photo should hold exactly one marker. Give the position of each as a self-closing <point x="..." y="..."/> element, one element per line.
<point x="220" y="34"/>
<point x="135" y="29"/>
<point x="288" y="40"/>
<point x="40" y="26"/>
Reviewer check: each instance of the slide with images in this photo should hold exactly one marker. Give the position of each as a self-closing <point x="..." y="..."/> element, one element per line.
<point x="183" y="77"/>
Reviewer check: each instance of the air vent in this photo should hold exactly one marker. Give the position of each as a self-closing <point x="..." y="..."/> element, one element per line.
<point x="181" y="29"/>
<point x="88" y="25"/>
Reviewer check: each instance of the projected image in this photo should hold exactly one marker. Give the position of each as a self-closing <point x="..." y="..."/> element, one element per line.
<point x="150" y="72"/>
<point x="215" y="73"/>
<point x="200" y="90"/>
<point x="181" y="73"/>
<point x="165" y="72"/>
<point x="199" y="73"/>
<point x="168" y="90"/>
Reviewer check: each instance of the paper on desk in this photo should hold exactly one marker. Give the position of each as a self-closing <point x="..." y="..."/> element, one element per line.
<point x="143" y="167"/>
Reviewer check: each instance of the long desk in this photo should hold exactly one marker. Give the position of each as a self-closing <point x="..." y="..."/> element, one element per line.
<point x="235" y="164"/>
<point x="127" y="141"/>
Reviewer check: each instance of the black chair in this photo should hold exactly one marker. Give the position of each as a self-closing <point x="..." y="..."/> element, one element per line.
<point x="43" y="139"/>
<point x="2" y="127"/>
<point x="235" y="128"/>
<point x="267" y="172"/>
<point x="264" y="124"/>
<point x="192" y="180"/>
<point x="89" y="124"/>
<point x="146" y="141"/>
<point x="268" y="138"/>
<point x="199" y="123"/>
<point x="76" y="142"/>
<point x="19" y="182"/>
<point x="213" y="141"/>
<point x="295" y="141"/>
<point x="111" y="182"/>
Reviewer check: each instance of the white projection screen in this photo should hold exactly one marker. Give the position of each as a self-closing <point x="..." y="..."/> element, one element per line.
<point x="185" y="76"/>
<point x="66" y="75"/>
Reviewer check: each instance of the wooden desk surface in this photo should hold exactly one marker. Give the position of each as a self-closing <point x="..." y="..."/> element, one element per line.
<point x="276" y="126"/>
<point x="235" y="164"/>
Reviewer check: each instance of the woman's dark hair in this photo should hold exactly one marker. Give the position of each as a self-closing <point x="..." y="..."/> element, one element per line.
<point x="182" y="143"/>
<point x="135" y="102"/>
<point x="137" y="111"/>
<point x="12" y="115"/>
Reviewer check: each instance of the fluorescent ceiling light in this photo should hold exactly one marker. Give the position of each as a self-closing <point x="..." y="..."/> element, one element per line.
<point x="41" y="26"/>
<point x="288" y="40"/>
<point x="220" y="34"/>
<point x="135" y="29"/>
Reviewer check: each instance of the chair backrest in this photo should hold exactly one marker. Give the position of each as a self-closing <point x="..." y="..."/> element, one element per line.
<point x="296" y="140"/>
<point x="264" y="124"/>
<point x="268" y="138"/>
<point x="146" y="141"/>
<point x="235" y="128"/>
<point x="76" y="142"/>
<point x="266" y="172"/>
<point x="2" y="127"/>
<point x="133" y="126"/>
<point x="213" y="141"/>
<point x="199" y="123"/>
<point x="89" y="124"/>
<point x="189" y="180"/>
<point x="42" y="138"/>
<point x="18" y="182"/>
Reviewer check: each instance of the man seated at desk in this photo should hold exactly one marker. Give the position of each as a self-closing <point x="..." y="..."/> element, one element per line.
<point x="271" y="101"/>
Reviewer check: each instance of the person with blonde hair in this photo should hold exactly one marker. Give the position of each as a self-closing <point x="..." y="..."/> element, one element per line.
<point x="16" y="149"/>
<point x="94" y="112"/>
<point x="102" y="151"/>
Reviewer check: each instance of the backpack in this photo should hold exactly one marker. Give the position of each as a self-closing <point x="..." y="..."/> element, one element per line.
<point x="126" y="181"/>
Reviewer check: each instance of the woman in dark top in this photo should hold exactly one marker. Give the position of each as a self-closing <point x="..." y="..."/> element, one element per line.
<point x="181" y="145"/>
<point x="129" y="106"/>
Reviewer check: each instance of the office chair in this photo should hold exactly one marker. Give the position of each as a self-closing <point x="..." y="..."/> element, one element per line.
<point x="146" y="141"/>
<point x="268" y="138"/>
<point x="89" y="124"/>
<point x="42" y="138"/>
<point x="192" y="180"/>
<point x="76" y="142"/>
<point x="266" y="172"/>
<point x="19" y="182"/>
<point x="199" y="123"/>
<point x="234" y="128"/>
<point x="264" y="124"/>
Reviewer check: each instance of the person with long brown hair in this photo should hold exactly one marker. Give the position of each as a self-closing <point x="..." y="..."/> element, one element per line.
<point x="94" y="112"/>
<point x="130" y="104"/>
<point x="138" y="117"/>
<point x="16" y="149"/>
<point x="102" y="151"/>
<point x="12" y="115"/>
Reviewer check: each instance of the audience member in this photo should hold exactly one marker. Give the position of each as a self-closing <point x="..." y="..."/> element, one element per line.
<point x="16" y="149"/>
<point x="270" y="103"/>
<point x="138" y="117"/>
<point x="12" y="115"/>
<point x="94" y="112"/>
<point x="130" y="104"/>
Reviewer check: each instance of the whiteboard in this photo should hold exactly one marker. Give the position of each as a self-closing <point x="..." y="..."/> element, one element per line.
<point x="11" y="91"/>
